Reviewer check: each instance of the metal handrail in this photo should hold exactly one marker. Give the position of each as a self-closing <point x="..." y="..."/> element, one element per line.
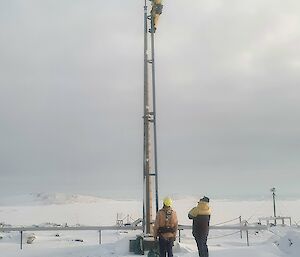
<point x="66" y="228"/>
<point x="240" y="227"/>
<point x="244" y="226"/>
<point x="230" y="227"/>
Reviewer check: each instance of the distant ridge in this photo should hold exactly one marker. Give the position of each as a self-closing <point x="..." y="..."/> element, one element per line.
<point x="49" y="199"/>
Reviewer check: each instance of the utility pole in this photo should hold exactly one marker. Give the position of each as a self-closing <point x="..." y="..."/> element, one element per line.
<point x="274" y="205"/>
<point x="150" y="154"/>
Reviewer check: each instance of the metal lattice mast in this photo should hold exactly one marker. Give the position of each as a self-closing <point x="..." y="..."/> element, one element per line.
<point x="150" y="155"/>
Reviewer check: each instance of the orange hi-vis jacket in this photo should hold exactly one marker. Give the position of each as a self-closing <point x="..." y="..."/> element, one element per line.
<point x="166" y="223"/>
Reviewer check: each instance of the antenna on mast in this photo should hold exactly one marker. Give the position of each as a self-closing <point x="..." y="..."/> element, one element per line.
<point x="273" y="189"/>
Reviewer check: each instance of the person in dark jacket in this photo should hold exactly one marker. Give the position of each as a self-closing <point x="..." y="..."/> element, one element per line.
<point x="201" y="217"/>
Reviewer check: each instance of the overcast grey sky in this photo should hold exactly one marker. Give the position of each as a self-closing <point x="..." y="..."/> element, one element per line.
<point x="71" y="97"/>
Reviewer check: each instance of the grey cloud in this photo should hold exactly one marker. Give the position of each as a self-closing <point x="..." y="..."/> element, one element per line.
<point x="71" y="95"/>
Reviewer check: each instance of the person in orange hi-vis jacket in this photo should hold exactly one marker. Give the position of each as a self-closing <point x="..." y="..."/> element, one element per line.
<point x="165" y="228"/>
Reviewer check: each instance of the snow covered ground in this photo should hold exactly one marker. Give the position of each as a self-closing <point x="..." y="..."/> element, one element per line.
<point x="50" y="209"/>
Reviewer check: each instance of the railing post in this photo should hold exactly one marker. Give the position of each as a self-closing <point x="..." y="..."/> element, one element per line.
<point x="99" y="237"/>
<point x="21" y="246"/>
<point x="241" y="232"/>
<point x="247" y="232"/>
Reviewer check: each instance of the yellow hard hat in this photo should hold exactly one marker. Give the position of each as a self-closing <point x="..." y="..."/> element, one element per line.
<point x="157" y="1"/>
<point x="168" y="202"/>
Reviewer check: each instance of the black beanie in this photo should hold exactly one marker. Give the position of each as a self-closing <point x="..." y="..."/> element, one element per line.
<point x="204" y="199"/>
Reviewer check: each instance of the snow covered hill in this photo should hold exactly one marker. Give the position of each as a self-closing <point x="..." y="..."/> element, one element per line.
<point x="48" y="199"/>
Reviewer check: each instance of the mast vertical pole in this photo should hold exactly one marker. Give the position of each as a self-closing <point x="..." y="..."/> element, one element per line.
<point x="154" y="112"/>
<point x="147" y="181"/>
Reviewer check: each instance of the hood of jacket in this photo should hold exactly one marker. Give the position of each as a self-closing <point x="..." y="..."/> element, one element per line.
<point x="201" y="209"/>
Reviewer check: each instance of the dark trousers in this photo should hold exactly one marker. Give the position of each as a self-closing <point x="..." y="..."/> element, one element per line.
<point x="165" y="246"/>
<point x="202" y="245"/>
